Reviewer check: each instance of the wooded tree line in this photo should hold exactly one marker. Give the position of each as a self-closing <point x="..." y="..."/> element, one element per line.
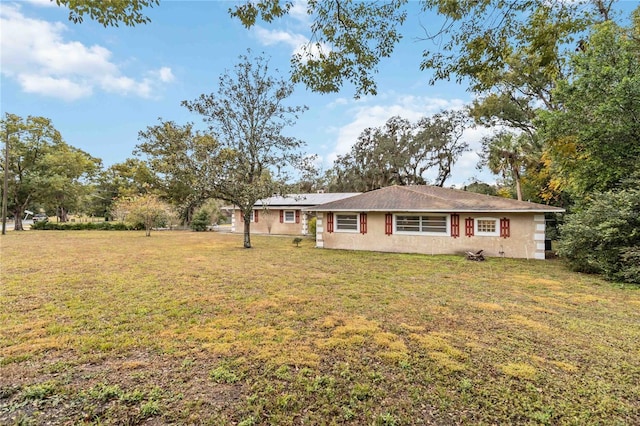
<point x="558" y="81"/>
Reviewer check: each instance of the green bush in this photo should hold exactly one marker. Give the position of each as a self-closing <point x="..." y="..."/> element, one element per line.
<point x="603" y="236"/>
<point x="38" y="225"/>
<point x="83" y="226"/>
<point x="201" y="221"/>
<point x="312" y="227"/>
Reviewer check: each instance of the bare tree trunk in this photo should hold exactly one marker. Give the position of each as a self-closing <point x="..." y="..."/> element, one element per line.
<point x="17" y="216"/>
<point x="18" y="212"/>
<point x="247" y="231"/>
<point x="516" y="177"/>
<point x="62" y="215"/>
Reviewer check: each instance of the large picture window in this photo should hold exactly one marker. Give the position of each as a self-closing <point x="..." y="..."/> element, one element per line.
<point x="425" y="224"/>
<point x="347" y="222"/>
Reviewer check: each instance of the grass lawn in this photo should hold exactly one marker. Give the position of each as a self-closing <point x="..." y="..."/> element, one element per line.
<point x="189" y="328"/>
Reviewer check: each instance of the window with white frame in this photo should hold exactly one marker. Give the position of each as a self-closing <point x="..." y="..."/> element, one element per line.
<point x="487" y="226"/>
<point x="423" y="224"/>
<point x="347" y="222"/>
<point x="289" y="216"/>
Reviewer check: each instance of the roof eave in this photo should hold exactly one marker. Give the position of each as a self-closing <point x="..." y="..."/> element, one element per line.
<point x="458" y="210"/>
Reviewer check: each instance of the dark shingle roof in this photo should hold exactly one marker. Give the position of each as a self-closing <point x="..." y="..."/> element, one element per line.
<point x="424" y="198"/>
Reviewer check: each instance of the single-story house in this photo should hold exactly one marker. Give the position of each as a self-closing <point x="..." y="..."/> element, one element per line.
<point x="433" y="220"/>
<point x="284" y="214"/>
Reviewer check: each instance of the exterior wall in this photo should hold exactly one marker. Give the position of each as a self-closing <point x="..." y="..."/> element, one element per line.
<point x="272" y="218"/>
<point x="526" y="238"/>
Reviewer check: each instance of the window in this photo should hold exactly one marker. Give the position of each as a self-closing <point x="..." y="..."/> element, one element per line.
<point x="422" y="224"/>
<point x="347" y="222"/>
<point x="254" y="216"/>
<point x="487" y="226"/>
<point x="408" y="223"/>
<point x="289" y="216"/>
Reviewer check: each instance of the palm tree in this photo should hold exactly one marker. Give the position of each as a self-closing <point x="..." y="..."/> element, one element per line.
<point x="507" y="154"/>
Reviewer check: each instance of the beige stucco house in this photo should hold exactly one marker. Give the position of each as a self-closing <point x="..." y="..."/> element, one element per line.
<point x="433" y="220"/>
<point x="284" y="214"/>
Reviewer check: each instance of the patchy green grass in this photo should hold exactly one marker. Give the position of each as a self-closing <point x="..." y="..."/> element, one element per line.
<point x="190" y="328"/>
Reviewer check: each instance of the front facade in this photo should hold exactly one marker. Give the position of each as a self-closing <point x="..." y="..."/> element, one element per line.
<point x="433" y="220"/>
<point x="284" y="215"/>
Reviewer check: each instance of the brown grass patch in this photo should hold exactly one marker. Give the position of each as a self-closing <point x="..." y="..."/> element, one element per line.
<point x="519" y="370"/>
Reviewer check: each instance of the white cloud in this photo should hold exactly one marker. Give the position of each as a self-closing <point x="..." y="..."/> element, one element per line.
<point x="42" y="3"/>
<point x="372" y="113"/>
<point x="271" y="37"/>
<point x="35" y="53"/>
<point x="299" y="44"/>
<point x="126" y="86"/>
<point x="375" y="115"/>
<point x="166" y="75"/>
<point x="298" y="12"/>
<point x="61" y="88"/>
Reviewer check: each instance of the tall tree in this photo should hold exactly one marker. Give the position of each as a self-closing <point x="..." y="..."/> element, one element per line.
<point x="71" y="172"/>
<point x="441" y="136"/>
<point x="130" y="178"/>
<point x="247" y="117"/>
<point x="401" y="152"/>
<point x="381" y="157"/>
<point x="594" y="138"/>
<point x="29" y="142"/>
<point x="178" y="156"/>
<point x="507" y="153"/>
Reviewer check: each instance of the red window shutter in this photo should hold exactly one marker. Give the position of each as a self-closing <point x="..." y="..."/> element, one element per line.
<point x="388" y="224"/>
<point x="468" y="227"/>
<point x="363" y="223"/>
<point x="281" y="216"/>
<point x="329" y="222"/>
<point x="297" y="216"/>
<point x="255" y="215"/>
<point x="505" y="227"/>
<point x="455" y="225"/>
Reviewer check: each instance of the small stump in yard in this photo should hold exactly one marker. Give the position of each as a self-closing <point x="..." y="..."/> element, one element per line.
<point x="297" y="241"/>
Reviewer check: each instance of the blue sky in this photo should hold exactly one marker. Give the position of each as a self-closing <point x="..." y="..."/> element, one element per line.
<point x="101" y="86"/>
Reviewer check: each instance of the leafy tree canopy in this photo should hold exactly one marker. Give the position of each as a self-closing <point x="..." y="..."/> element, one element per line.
<point x="512" y="45"/>
<point x="127" y="179"/>
<point x="178" y="156"/>
<point x="42" y="169"/>
<point x="247" y="116"/>
<point x="109" y="12"/>
<point x="593" y="138"/>
<point x="400" y="153"/>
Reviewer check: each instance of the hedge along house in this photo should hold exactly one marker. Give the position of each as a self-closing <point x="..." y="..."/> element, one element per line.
<point x="284" y="214"/>
<point x="433" y="220"/>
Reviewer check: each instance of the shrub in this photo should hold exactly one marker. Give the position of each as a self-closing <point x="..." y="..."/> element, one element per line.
<point x="38" y="225"/>
<point x="144" y="212"/>
<point x="603" y="236"/>
<point x="80" y="226"/>
<point x="201" y="220"/>
<point x="312" y="227"/>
